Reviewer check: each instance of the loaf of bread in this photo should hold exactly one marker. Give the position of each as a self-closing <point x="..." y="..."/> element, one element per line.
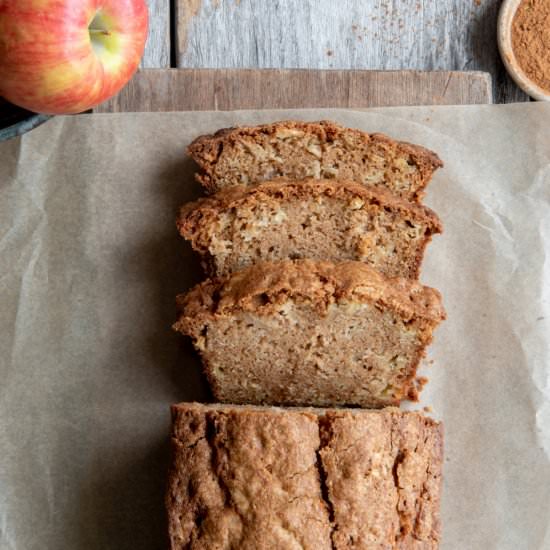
<point x="253" y="478"/>
<point x="310" y="333"/>
<point x="331" y="220"/>
<point x="249" y="155"/>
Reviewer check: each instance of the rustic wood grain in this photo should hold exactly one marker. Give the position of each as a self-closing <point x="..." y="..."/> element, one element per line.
<point x="157" y="49"/>
<point x="343" y="34"/>
<point x="229" y="89"/>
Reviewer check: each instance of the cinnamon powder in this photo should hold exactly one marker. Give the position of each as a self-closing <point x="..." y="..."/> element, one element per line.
<point x="531" y="40"/>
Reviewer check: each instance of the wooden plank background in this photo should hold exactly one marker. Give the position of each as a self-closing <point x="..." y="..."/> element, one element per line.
<point x="231" y="89"/>
<point x="158" y="48"/>
<point x="330" y="34"/>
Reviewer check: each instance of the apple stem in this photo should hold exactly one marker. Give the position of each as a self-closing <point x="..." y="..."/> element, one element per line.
<point x="99" y="31"/>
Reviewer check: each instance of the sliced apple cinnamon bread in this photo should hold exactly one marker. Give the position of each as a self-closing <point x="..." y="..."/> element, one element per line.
<point x="294" y="149"/>
<point x="331" y="220"/>
<point x="310" y="333"/>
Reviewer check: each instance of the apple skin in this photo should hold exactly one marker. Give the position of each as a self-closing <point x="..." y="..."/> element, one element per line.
<point x="50" y="61"/>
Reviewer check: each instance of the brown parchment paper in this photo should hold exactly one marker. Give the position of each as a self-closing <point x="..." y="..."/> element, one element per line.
<point x="90" y="263"/>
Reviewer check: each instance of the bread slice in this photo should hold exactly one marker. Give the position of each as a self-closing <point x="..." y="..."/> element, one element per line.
<point x="294" y="149"/>
<point x="265" y="478"/>
<point x="331" y="220"/>
<point x="310" y="333"/>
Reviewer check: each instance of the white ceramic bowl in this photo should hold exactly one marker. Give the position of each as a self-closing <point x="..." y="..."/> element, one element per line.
<point x="505" y="17"/>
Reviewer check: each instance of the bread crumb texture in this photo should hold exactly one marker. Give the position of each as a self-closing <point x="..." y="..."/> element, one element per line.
<point x="294" y="149"/>
<point x="250" y="478"/>
<point x="310" y="333"/>
<point x="333" y="220"/>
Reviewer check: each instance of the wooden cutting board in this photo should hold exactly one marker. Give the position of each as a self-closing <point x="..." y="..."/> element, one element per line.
<point x="232" y="89"/>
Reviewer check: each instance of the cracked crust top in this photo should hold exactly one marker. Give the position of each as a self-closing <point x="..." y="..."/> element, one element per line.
<point x="207" y="150"/>
<point x="383" y="477"/>
<point x="245" y="479"/>
<point x="261" y="288"/>
<point x="259" y="478"/>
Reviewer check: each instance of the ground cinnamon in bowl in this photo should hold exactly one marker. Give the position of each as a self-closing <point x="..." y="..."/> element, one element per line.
<point x="531" y="40"/>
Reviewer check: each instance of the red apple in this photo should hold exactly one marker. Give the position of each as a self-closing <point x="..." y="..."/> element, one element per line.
<point x="66" y="56"/>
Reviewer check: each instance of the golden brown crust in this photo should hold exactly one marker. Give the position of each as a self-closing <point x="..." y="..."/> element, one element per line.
<point x="396" y="459"/>
<point x="257" y="477"/>
<point x="230" y="486"/>
<point x="264" y="286"/>
<point x="207" y="149"/>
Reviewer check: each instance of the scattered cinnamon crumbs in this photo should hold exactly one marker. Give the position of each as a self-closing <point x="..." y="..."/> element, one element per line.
<point x="421" y="381"/>
<point x="531" y="40"/>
